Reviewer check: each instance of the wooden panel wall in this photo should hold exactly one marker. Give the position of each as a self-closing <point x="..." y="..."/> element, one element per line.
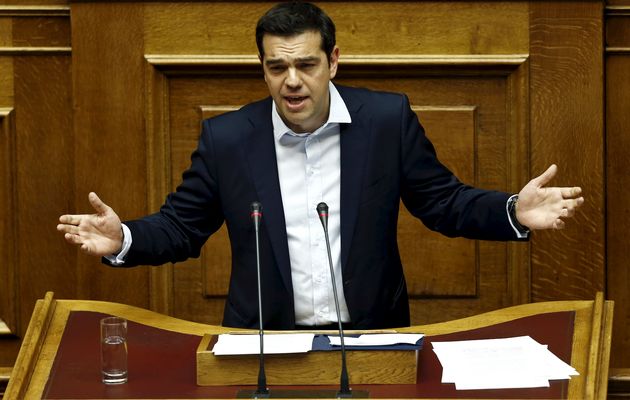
<point x="111" y="99"/>
<point x="37" y="162"/>
<point x="618" y="174"/>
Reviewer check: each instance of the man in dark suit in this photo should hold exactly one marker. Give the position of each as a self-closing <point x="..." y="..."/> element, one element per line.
<point x="358" y="150"/>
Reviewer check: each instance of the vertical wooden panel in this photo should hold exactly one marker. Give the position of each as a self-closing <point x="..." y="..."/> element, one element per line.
<point x="618" y="177"/>
<point x="567" y="129"/>
<point x="44" y="177"/>
<point x="110" y="147"/>
<point x="453" y="131"/>
<point x="8" y="285"/>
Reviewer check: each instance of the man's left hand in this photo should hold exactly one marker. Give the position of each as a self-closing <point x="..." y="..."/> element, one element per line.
<point x="540" y="207"/>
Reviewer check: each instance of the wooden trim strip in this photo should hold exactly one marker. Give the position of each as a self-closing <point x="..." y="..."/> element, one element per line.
<point x="31" y="347"/>
<point x="617" y="50"/>
<point x="605" y="344"/>
<point x="35" y="11"/>
<point x="617" y="11"/>
<point x="35" y="51"/>
<point x="165" y="60"/>
<point x="593" y="366"/>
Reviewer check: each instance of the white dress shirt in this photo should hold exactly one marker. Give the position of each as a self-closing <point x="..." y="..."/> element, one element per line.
<point x="309" y="173"/>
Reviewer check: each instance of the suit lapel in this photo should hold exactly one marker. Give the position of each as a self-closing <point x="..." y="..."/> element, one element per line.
<point x="261" y="155"/>
<point x="354" y="141"/>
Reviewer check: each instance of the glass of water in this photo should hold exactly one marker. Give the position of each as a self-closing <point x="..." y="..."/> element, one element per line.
<point x="114" y="350"/>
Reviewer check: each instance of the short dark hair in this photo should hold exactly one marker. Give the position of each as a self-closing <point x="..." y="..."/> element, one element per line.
<point x="294" y="18"/>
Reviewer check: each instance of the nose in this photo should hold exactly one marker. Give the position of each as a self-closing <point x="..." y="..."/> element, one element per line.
<point x="293" y="79"/>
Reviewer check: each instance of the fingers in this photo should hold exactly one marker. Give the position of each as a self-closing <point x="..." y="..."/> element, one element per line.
<point x="97" y="203"/>
<point x="570" y="192"/>
<point x="546" y="176"/>
<point x="558" y="224"/>
<point x="71" y="219"/>
<point x="68" y="229"/>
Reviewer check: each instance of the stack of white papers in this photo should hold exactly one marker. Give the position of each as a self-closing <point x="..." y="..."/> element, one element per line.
<point x="518" y="362"/>
<point x="273" y="344"/>
<point x="377" y="339"/>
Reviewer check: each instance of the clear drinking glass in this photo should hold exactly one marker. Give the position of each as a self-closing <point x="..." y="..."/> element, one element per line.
<point x="114" y="350"/>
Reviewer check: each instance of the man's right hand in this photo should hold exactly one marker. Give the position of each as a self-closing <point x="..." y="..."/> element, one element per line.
<point x="97" y="234"/>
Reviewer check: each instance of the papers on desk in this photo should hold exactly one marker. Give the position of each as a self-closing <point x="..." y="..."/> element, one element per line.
<point x="377" y="339"/>
<point x="285" y="343"/>
<point x="518" y="362"/>
<point x="273" y="344"/>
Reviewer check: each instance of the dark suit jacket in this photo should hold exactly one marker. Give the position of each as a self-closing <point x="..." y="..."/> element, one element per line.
<point x="385" y="157"/>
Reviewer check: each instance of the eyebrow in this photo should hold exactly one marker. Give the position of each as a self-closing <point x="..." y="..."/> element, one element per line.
<point x="275" y="61"/>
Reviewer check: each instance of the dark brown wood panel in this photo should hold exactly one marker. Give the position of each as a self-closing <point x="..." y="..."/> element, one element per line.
<point x="40" y="110"/>
<point x="109" y="146"/>
<point x="9" y="301"/>
<point x="453" y="131"/>
<point x="618" y="178"/>
<point x="566" y="41"/>
<point x="41" y="31"/>
<point x="35" y="85"/>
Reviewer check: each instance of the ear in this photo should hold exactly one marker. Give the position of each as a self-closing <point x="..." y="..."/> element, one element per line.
<point x="334" y="62"/>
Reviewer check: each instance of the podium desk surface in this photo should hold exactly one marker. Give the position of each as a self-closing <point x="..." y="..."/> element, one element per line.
<point x="60" y="354"/>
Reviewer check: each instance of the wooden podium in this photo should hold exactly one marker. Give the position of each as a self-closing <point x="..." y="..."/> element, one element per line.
<point x="59" y="357"/>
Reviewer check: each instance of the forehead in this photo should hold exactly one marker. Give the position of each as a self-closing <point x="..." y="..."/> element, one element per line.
<point x="300" y="45"/>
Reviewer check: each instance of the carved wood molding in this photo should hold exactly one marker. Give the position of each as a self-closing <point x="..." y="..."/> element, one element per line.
<point x="34" y="11"/>
<point x="617" y="11"/>
<point x="618" y="50"/>
<point x="36" y="51"/>
<point x="8" y="298"/>
<point x="229" y="64"/>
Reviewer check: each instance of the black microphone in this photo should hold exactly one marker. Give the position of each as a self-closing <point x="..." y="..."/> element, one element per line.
<point x="262" y="391"/>
<point x="344" y="385"/>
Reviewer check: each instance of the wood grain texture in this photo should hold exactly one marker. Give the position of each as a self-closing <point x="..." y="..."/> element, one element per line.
<point x="567" y="129"/>
<point x="44" y="166"/>
<point x="618" y="182"/>
<point x="42" y="31"/>
<point x="9" y="295"/>
<point x="110" y="144"/>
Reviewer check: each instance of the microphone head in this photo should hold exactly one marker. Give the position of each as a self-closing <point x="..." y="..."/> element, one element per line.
<point x="322" y="208"/>
<point x="322" y="211"/>
<point x="256" y="209"/>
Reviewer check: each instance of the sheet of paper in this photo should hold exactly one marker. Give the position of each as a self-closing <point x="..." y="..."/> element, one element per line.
<point x="517" y="362"/>
<point x="377" y="339"/>
<point x="230" y="344"/>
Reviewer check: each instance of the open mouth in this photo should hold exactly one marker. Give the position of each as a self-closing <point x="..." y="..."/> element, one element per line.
<point x="295" y="100"/>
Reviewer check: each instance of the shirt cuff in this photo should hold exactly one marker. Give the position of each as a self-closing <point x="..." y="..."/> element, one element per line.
<point x="119" y="259"/>
<point x="521" y="231"/>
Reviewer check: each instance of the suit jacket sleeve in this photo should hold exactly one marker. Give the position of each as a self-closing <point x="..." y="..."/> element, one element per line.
<point x="187" y="218"/>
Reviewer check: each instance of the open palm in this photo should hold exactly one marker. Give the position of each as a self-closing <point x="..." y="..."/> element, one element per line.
<point x="541" y="207"/>
<point x="97" y="234"/>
